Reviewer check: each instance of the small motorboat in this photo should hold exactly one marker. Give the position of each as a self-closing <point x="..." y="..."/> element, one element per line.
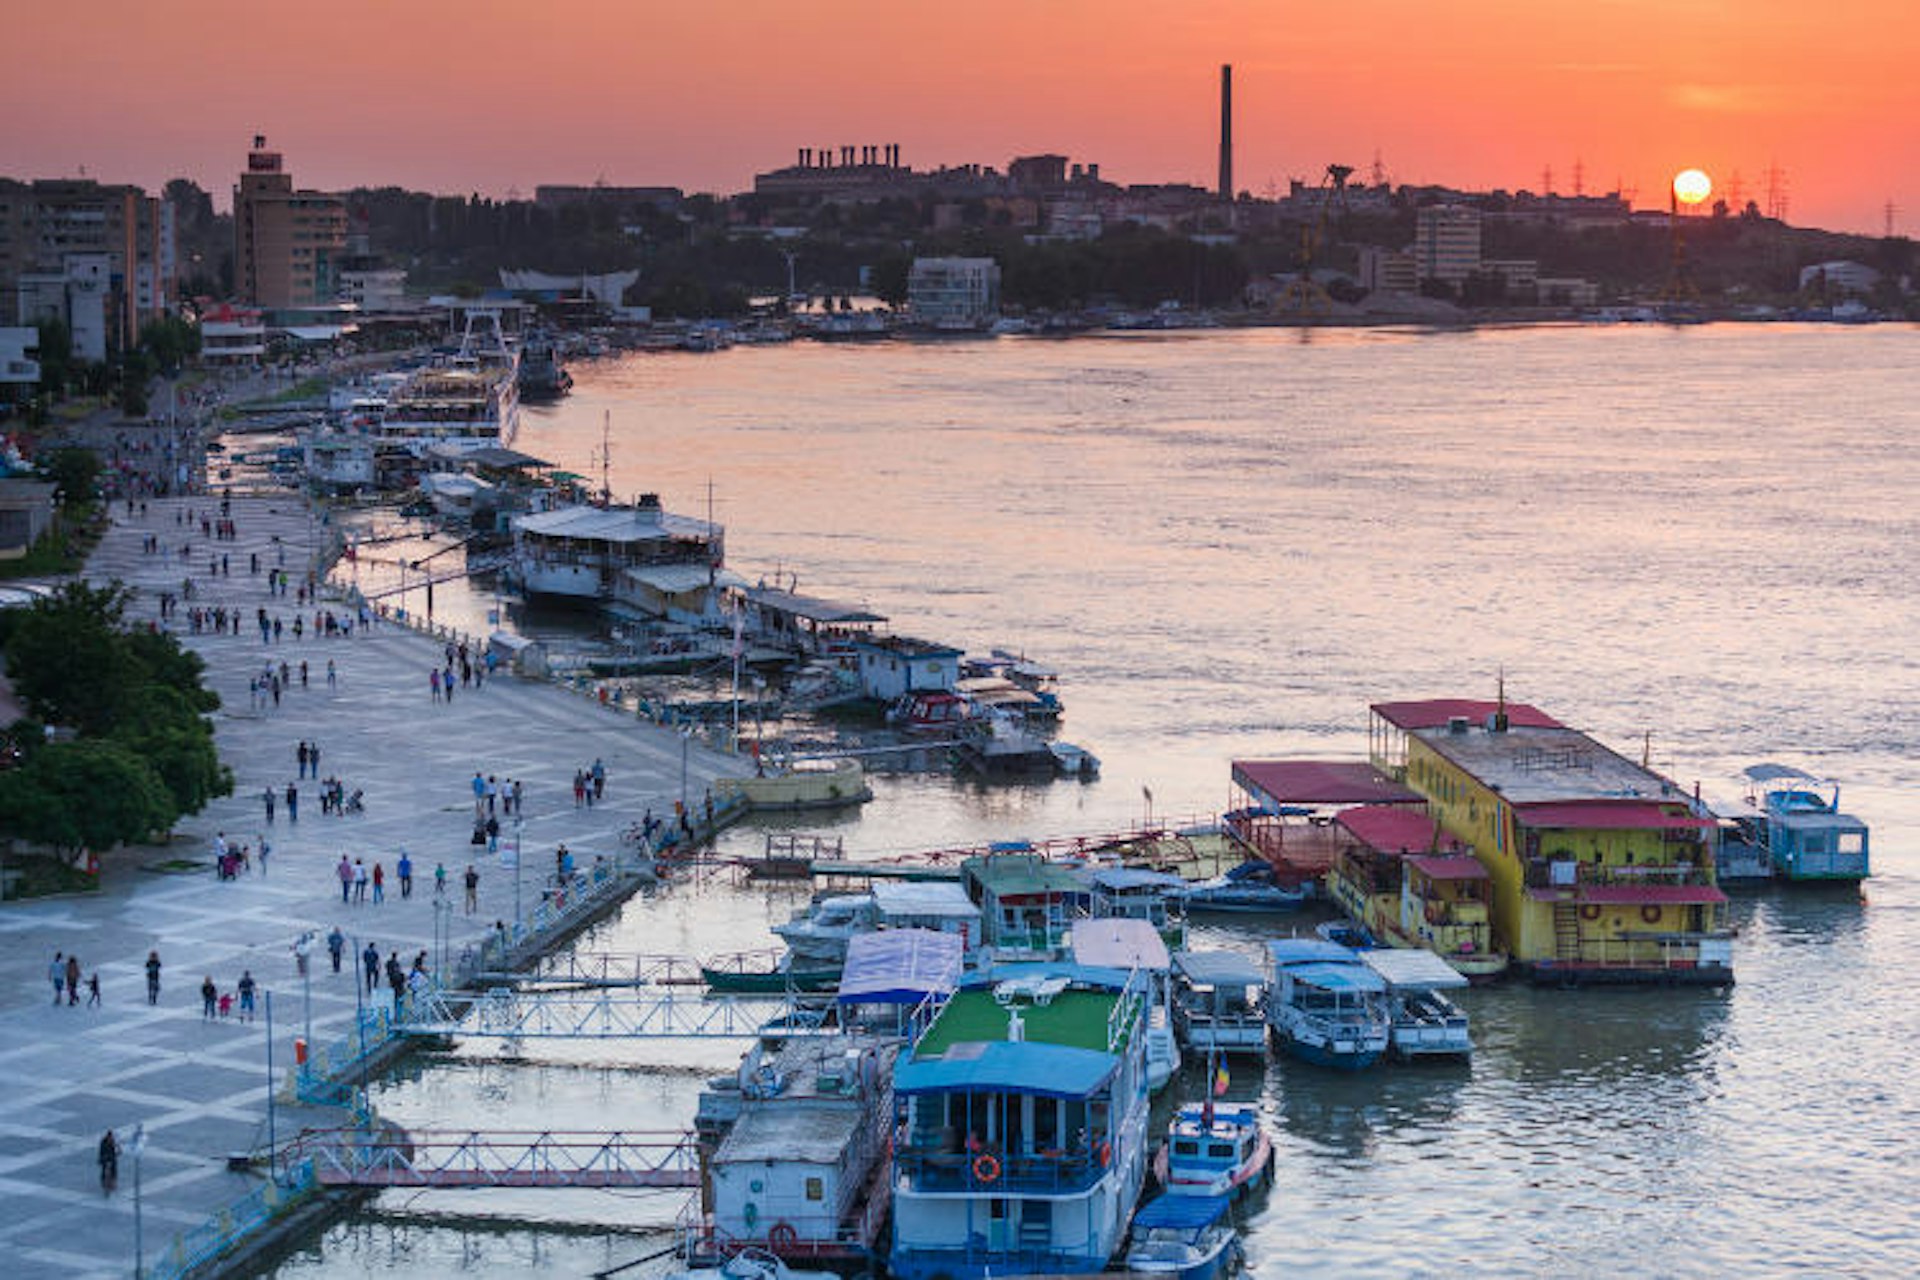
<point x="1190" y="1237"/>
<point x="751" y="1264"/>
<point x="1248" y="887"/>
<point x="1214" y="1150"/>
<point x="1345" y="933"/>
<point x="766" y="971"/>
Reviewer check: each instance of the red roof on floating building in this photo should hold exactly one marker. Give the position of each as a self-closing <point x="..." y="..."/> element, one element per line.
<point x="1319" y="782"/>
<point x="1434" y="713"/>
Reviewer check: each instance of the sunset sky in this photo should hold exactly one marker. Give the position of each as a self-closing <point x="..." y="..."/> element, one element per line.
<point x="501" y="95"/>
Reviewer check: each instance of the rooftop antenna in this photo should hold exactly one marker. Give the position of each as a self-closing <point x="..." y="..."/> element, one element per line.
<point x="1579" y="176"/>
<point x="1891" y="210"/>
<point x="606" y="459"/>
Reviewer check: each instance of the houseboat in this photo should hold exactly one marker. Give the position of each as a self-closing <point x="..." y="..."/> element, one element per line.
<point x="1027" y="904"/>
<point x="994" y="747"/>
<point x="1020" y="1141"/>
<point x="668" y="566"/>
<point x="1135" y="893"/>
<point x="938" y="906"/>
<point x="1424" y="1023"/>
<point x="793" y="1151"/>
<point x="1797" y="832"/>
<point x="1600" y="871"/>
<point x="1326" y="1007"/>
<point x="1407" y="885"/>
<point x="1219" y="1002"/>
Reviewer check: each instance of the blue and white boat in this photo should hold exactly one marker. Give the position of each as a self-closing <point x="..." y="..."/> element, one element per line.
<point x="1219" y="1002"/>
<point x="1251" y="886"/>
<point x="1800" y="833"/>
<point x="1020" y="1136"/>
<point x="1214" y="1150"/>
<point x="1190" y="1237"/>
<point x="1327" y="1007"/>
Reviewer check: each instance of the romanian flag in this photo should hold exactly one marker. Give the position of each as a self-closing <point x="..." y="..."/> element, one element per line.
<point x="1220" y="1081"/>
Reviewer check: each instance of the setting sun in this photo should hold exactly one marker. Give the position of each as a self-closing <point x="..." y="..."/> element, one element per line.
<point x="1691" y="186"/>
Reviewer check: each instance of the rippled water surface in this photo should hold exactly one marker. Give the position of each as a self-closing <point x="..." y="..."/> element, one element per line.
<point x="1702" y="544"/>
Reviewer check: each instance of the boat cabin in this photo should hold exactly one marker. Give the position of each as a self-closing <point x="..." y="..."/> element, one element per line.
<point x="1134" y="893"/>
<point x="891" y="667"/>
<point x="1027" y="904"/>
<point x="939" y="906"/>
<point x="1219" y="1002"/>
<point x="1425" y="1024"/>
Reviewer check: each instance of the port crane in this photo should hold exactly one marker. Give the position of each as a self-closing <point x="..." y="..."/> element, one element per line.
<point x="1303" y="294"/>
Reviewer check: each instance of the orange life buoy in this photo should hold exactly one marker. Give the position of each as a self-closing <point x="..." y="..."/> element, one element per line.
<point x="1590" y="911"/>
<point x="781" y="1237"/>
<point x="986" y="1168"/>
<point x="1649" y="913"/>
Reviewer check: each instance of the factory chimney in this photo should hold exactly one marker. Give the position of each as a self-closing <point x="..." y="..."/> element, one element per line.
<point x="1226" y="132"/>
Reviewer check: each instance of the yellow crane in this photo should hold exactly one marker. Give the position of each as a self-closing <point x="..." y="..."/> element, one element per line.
<point x="1303" y="294"/>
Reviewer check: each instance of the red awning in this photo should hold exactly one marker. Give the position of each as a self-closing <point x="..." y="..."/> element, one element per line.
<point x="1606" y="815"/>
<point x="1278" y="782"/>
<point x="1390" y="829"/>
<point x="1459" y="867"/>
<point x="1433" y="713"/>
<point x="1634" y="895"/>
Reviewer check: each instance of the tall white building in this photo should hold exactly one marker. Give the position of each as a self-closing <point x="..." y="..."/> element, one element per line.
<point x="954" y="294"/>
<point x="1446" y="242"/>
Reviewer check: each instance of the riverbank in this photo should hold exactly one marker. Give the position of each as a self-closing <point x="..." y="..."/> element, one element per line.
<point x="200" y="1086"/>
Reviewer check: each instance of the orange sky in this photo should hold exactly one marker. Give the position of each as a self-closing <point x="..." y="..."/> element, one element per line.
<point x="493" y="95"/>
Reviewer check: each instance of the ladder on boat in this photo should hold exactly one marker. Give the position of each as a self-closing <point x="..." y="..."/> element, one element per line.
<point x="1566" y="931"/>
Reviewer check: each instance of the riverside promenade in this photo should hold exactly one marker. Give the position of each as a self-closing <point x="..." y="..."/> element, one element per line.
<point x="200" y="1086"/>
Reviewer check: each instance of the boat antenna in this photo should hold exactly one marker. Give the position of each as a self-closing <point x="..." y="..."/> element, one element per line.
<point x="713" y="562"/>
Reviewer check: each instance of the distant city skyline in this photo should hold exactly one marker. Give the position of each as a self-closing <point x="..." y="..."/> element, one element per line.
<point x="497" y="98"/>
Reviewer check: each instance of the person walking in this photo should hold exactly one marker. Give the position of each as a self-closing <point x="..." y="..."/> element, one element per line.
<point x="439" y="879"/>
<point x="345" y="872"/>
<point x="293" y="803"/>
<point x="267" y="798"/>
<point x="58" y="972"/>
<point x="153" y="977"/>
<point x="73" y="980"/>
<point x="404" y="869"/>
<point x="336" y="944"/>
<point x="300" y="756"/>
<point x="599" y="779"/>
<point x="359" y="880"/>
<point x="209" y="998"/>
<point x="473" y="889"/>
<point x="379" y="883"/>
<point x="93" y="989"/>
<point x="109" y="1162"/>
<point x="370" y="961"/>
<point x="246" y="994"/>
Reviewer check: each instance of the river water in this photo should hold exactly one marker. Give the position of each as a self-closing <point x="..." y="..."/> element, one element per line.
<point x="1699" y="543"/>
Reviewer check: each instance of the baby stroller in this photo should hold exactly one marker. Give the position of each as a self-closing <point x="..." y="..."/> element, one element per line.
<point x="355" y="803"/>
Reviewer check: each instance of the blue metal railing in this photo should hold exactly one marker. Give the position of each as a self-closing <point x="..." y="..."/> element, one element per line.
<point x="199" y="1245"/>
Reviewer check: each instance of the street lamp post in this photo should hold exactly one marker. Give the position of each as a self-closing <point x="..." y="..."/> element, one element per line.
<point x="136" y="1146"/>
<point x="519" y="822"/>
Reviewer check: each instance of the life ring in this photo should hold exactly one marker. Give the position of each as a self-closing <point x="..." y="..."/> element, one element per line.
<point x="986" y="1167"/>
<point x="782" y="1238"/>
<point x="1106" y="1155"/>
<point x="1649" y="913"/>
<point x="1590" y="911"/>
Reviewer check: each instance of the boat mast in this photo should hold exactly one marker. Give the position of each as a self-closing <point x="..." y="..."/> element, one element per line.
<point x="606" y="459"/>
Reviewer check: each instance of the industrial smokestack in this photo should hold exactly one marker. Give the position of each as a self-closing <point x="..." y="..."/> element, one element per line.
<point x="1226" y="131"/>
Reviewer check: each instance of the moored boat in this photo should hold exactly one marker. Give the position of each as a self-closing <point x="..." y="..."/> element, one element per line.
<point x="1424" y="1023"/>
<point x="1797" y="832"/>
<point x="1249" y="887"/>
<point x="1325" y="1006"/>
<point x="1213" y="1150"/>
<point x="1189" y="1237"/>
<point x="766" y="971"/>
<point x="818" y="936"/>
<point x="1219" y="1002"/>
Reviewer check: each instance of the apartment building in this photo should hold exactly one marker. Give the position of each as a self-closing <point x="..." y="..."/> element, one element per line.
<point x="97" y="256"/>
<point x="288" y="244"/>
<point x="1446" y="242"/>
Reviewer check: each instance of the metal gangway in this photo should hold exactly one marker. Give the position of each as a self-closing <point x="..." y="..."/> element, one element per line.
<point x="611" y="1013"/>
<point x="392" y="1157"/>
<point x="602" y="969"/>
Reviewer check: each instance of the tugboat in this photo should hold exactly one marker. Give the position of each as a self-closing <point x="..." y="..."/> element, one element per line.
<point x="541" y="375"/>
<point x="1214" y="1151"/>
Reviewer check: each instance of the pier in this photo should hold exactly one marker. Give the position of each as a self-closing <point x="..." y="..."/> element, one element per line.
<point x="351" y="1157"/>
<point x="611" y="1014"/>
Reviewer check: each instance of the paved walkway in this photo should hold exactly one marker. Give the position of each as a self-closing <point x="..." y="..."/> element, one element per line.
<point x="68" y="1074"/>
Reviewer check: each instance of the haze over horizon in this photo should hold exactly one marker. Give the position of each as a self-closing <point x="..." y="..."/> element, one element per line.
<point x="491" y="97"/>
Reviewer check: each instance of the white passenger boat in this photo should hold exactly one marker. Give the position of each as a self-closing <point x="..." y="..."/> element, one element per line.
<point x="1424" y="1023"/>
<point x="471" y="400"/>
<point x="1219" y="1002"/>
<point x="666" y="565"/>
<point x="1124" y="943"/>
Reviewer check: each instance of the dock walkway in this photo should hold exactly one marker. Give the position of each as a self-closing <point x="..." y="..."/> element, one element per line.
<point x="200" y="1086"/>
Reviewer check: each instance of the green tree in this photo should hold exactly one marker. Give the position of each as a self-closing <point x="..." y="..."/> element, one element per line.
<point x="160" y="726"/>
<point x="75" y="470"/>
<point x="84" y="795"/>
<point x="69" y="660"/>
<point x="171" y="342"/>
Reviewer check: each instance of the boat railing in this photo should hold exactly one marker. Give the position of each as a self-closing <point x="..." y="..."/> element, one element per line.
<point x="1541" y="873"/>
<point x="1042" y="1172"/>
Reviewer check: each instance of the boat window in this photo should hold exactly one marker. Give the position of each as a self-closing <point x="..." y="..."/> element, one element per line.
<point x="1186" y="1147"/>
<point x="1220" y="1150"/>
<point x="816" y="1189"/>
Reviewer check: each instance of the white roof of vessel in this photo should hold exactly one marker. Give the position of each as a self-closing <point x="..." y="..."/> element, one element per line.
<point x="923" y="898"/>
<point x="613" y="524"/>
<point x="802" y="1134"/>
<point x="1116" y="943"/>
<point x="675" y="578"/>
<point x="1412" y="970"/>
<point x="1219" y="969"/>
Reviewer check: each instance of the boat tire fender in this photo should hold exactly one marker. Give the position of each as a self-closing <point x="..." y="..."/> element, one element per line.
<point x="782" y="1238"/>
<point x="1649" y="913"/>
<point x="986" y="1168"/>
<point x="1590" y="911"/>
